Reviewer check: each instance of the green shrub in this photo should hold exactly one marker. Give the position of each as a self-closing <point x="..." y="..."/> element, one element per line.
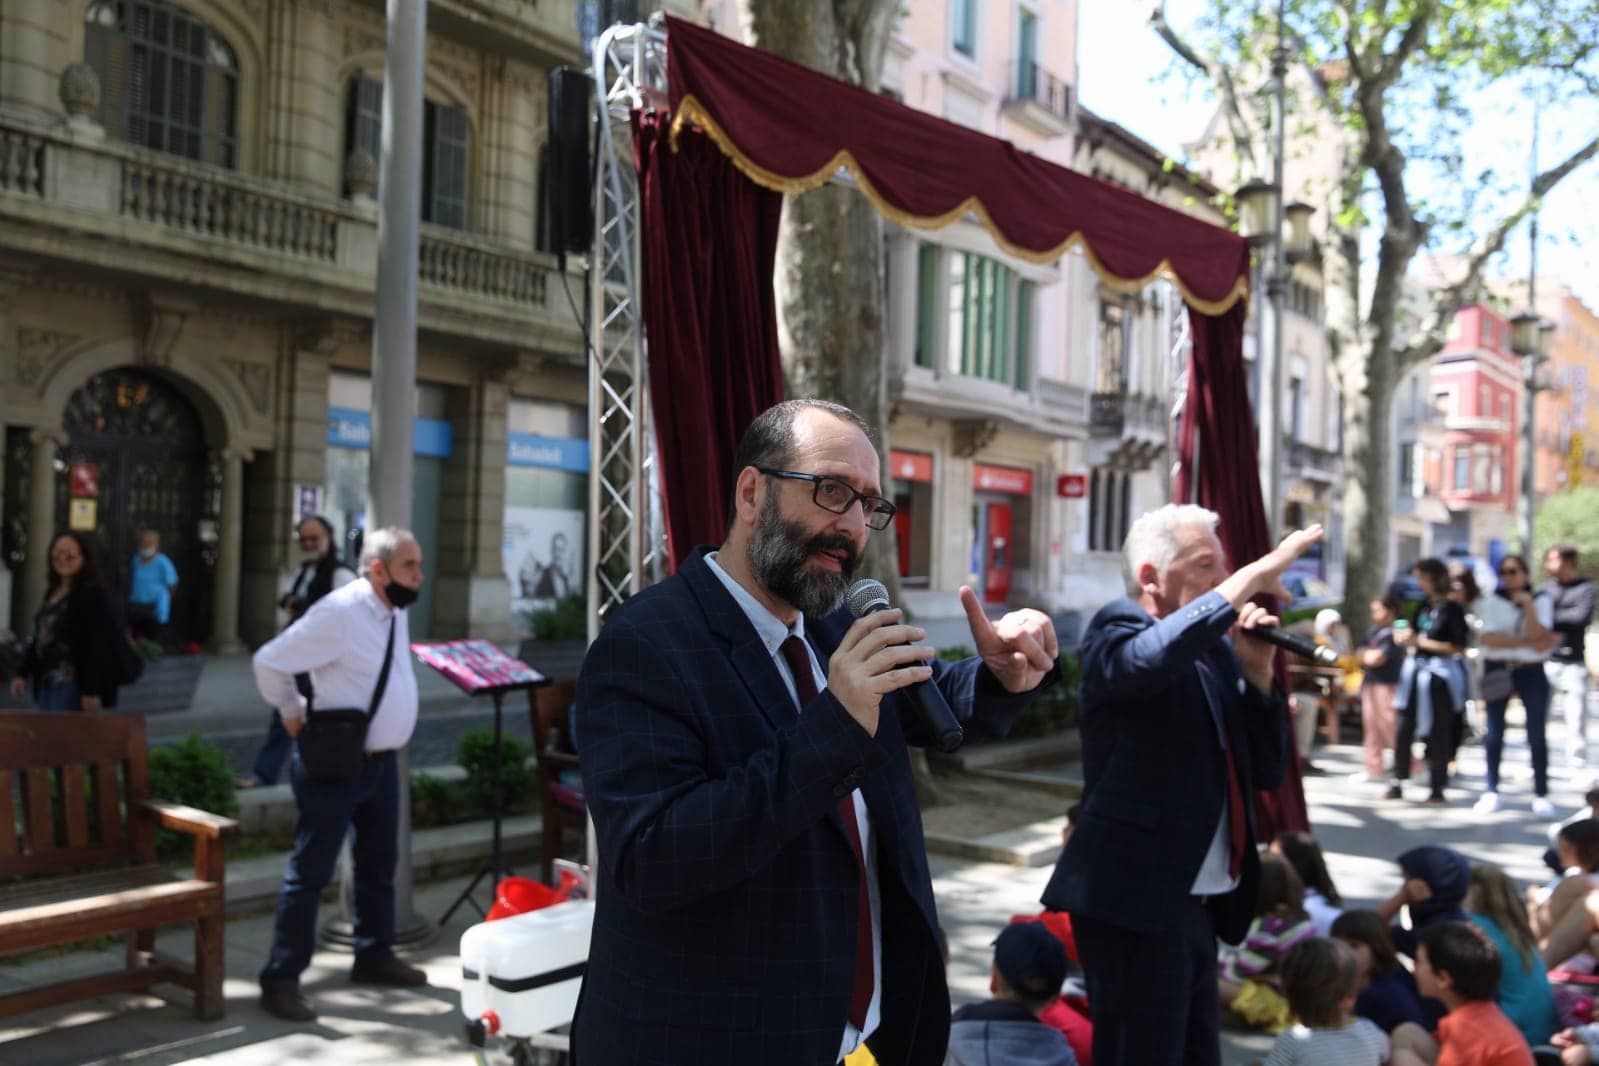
<point x="566" y="619"/>
<point x="1053" y="711"/>
<point x="475" y="753"/>
<point x="434" y="801"/>
<point x="194" y="772"/>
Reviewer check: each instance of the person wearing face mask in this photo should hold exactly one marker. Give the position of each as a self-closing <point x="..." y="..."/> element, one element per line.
<point x="153" y="581"/>
<point x="320" y="572"/>
<point x="354" y="643"/>
<point x="764" y="892"/>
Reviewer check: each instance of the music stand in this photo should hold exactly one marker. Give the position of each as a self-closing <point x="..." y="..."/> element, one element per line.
<point x="477" y="667"/>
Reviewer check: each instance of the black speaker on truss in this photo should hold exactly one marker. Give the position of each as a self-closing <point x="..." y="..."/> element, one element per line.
<point x="568" y="187"/>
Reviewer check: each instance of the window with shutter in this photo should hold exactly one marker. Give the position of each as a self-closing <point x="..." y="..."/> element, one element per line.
<point x="444" y="149"/>
<point x="167" y="80"/>
<point x="363" y="117"/>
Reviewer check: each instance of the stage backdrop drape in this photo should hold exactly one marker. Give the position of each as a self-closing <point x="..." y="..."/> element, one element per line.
<point x="709" y="243"/>
<point x="1228" y="474"/>
<point x="790" y="129"/>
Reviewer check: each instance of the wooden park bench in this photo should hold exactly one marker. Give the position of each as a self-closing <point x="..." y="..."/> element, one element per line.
<point x="77" y="858"/>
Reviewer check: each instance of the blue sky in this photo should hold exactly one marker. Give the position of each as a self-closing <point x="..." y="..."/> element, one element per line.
<point x="1125" y="76"/>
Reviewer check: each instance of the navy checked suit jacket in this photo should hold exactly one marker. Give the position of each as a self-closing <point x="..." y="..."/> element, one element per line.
<point x="725" y="924"/>
<point x="1156" y="696"/>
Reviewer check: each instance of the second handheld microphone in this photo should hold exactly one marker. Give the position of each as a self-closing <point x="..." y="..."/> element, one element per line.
<point x="1295" y="643"/>
<point x="868" y="596"/>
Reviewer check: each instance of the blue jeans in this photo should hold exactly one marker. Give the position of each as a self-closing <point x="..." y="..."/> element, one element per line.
<point x="58" y="697"/>
<point x="328" y="810"/>
<point x="1532" y="685"/>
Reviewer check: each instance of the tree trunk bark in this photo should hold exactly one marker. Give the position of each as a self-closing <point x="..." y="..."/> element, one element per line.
<point x="829" y="272"/>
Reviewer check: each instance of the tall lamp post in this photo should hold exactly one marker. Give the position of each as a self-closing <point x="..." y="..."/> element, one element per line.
<point x="1529" y="338"/>
<point x="1282" y="236"/>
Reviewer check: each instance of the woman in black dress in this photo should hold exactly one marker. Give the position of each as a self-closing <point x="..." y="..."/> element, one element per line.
<point x="72" y="659"/>
<point x="1432" y="692"/>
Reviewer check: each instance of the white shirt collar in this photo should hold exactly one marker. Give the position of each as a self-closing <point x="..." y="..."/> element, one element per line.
<point x="369" y="596"/>
<point x="771" y="629"/>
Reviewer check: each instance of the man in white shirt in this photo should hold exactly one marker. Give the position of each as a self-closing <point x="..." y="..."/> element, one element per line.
<point x="342" y="643"/>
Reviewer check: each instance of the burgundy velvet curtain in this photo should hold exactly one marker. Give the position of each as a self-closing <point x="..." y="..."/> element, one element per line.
<point x="790" y="128"/>
<point x="709" y="241"/>
<point x="1227" y="470"/>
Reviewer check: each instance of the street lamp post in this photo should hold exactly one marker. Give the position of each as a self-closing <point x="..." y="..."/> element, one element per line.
<point x="1529" y="338"/>
<point x="1261" y="216"/>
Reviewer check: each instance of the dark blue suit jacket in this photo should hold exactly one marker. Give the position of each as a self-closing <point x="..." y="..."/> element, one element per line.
<point x="1157" y="696"/>
<point x="725" y="925"/>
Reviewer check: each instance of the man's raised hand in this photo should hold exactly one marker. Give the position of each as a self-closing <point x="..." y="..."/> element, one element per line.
<point x="1018" y="650"/>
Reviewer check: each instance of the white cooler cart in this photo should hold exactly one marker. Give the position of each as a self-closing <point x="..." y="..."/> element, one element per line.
<point x="520" y="976"/>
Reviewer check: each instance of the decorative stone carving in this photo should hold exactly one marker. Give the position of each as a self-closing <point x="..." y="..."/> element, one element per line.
<point x="361" y="173"/>
<point x="972" y="435"/>
<point x="159" y="320"/>
<point x="38" y="350"/>
<point x="257" y="381"/>
<point x="80" y="90"/>
<point x="324" y="336"/>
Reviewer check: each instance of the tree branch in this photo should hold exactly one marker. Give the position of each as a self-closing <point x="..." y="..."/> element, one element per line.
<point x="1446" y="301"/>
<point x="1243" y="136"/>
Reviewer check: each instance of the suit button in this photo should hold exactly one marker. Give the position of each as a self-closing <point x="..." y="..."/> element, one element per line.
<point x="848" y="784"/>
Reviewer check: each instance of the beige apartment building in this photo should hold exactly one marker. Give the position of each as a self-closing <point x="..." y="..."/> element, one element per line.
<point x="188" y="238"/>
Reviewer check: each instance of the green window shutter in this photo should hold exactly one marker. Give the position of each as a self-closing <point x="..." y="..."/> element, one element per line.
<point x="926" y="304"/>
<point x="1024" y="335"/>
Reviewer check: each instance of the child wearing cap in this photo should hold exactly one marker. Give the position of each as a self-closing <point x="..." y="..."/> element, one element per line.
<point x="1457" y="963"/>
<point x="1321" y="977"/>
<point x="1029" y="968"/>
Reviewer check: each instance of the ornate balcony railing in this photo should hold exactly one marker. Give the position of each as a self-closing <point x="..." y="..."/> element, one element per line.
<point x="216" y="205"/>
<point x="76" y="182"/>
<point x="1033" y="84"/>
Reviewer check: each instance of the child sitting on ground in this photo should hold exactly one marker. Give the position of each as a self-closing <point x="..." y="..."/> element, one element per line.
<point x="1577" y="851"/>
<point x="1029" y="968"/>
<point x="1322" y="901"/>
<point x="1248" y="976"/>
<point x="1320" y="979"/>
<point x="1458" y="964"/>
<point x="1434" y="889"/>
<point x="1524" y="994"/>
<point x="1388" y="993"/>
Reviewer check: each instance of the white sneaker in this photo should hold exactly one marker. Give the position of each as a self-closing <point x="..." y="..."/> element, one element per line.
<point x="1361" y="777"/>
<point x="1487" y="804"/>
<point x="1542" y="807"/>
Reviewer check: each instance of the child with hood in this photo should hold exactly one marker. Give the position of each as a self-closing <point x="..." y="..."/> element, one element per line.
<point x="1434" y="889"/>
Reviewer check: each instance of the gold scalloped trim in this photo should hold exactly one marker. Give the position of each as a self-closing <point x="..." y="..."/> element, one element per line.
<point x="691" y="110"/>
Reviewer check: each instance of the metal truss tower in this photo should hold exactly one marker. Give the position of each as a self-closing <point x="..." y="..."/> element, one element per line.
<point x="627" y="543"/>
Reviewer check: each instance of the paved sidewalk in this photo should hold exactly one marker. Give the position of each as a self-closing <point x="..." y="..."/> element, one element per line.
<point x="1361" y="832"/>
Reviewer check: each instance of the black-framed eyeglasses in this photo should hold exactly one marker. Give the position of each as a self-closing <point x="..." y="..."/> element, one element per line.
<point x="831" y="494"/>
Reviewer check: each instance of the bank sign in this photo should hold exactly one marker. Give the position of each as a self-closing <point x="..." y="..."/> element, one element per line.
<point x="351" y="428"/>
<point x="553" y="453"/>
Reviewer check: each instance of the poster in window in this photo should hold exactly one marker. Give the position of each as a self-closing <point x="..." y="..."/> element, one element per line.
<point x="543" y="554"/>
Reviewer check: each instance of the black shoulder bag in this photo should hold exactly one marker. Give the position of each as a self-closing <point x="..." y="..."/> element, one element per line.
<point x="333" y="742"/>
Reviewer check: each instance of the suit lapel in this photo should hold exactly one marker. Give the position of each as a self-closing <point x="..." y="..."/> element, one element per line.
<point x="749" y="656"/>
<point x="824" y="642"/>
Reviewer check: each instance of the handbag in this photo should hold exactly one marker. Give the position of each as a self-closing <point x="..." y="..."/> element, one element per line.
<point x="333" y="742"/>
<point x="1496" y="685"/>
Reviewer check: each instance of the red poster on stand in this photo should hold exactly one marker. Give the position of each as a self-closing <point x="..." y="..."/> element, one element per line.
<point x="476" y="666"/>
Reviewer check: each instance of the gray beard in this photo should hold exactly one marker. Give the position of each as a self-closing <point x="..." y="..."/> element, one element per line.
<point x="778" y="554"/>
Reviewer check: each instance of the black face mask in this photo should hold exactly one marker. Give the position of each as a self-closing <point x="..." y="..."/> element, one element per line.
<point x="401" y="596"/>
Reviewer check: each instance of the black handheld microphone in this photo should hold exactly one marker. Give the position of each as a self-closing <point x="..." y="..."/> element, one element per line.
<point x="868" y="596"/>
<point x="1287" y="641"/>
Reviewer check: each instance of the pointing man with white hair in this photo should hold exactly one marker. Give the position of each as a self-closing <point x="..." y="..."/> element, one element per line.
<point x="355" y="645"/>
<point x="1181" y="724"/>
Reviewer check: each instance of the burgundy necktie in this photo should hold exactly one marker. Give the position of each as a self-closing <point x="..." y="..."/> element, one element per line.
<point x="799" y="664"/>
<point x="1237" y="816"/>
<point x="1237" y="825"/>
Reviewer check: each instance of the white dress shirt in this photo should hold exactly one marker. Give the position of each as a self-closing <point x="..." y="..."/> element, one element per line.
<point x="340" y="643"/>
<point x="773" y="631"/>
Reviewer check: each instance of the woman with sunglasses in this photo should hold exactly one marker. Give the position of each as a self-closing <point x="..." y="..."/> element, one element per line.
<point x="1515" y="641"/>
<point x="71" y="662"/>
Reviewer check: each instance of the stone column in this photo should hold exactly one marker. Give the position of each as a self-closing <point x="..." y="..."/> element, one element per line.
<point x="230" y="553"/>
<point x="9" y="286"/>
<point x="32" y="49"/>
<point x="41" y="517"/>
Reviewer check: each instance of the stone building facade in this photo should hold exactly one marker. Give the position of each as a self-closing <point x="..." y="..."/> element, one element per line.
<point x="187" y="259"/>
